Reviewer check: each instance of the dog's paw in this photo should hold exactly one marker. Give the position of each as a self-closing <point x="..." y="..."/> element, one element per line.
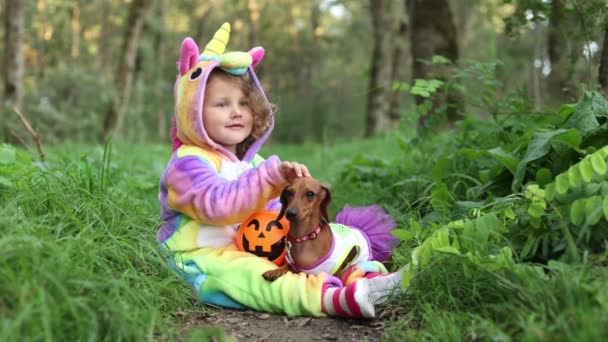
<point x="272" y="275"/>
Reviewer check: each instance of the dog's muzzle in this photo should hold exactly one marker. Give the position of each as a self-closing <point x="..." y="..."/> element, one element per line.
<point x="291" y="213"/>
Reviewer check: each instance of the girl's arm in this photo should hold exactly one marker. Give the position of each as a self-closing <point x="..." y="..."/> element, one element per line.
<point x="195" y="189"/>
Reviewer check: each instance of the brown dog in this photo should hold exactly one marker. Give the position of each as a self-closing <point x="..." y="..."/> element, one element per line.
<point x="304" y="203"/>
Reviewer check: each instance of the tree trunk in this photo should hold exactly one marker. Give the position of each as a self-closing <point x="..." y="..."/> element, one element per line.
<point x="76" y="28"/>
<point x="253" y="9"/>
<point x="559" y="87"/>
<point x="13" y="56"/>
<point x="433" y="32"/>
<point x="313" y="100"/>
<point x="379" y="95"/>
<point x="400" y="63"/>
<point x="124" y="75"/>
<point x="105" y="41"/>
<point x="161" y="114"/>
<point x="536" y="71"/>
<point x="603" y="70"/>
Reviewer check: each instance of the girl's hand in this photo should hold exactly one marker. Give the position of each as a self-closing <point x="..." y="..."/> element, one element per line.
<point x="293" y="170"/>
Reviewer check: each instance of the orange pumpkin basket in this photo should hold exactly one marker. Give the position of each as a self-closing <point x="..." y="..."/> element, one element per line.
<point x="264" y="236"/>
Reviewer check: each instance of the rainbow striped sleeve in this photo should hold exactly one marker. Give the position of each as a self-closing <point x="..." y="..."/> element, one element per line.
<point x="195" y="189"/>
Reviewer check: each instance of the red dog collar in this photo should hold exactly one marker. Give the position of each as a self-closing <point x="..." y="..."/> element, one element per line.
<point x="310" y="236"/>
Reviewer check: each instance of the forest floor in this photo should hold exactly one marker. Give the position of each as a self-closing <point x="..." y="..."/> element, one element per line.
<point x="256" y="326"/>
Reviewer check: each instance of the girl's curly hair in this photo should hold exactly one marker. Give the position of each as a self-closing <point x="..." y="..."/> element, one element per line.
<point x="260" y="107"/>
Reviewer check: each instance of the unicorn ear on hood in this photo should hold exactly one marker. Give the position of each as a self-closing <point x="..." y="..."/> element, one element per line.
<point x="188" y="56"/>
<point x="257" y="53"/>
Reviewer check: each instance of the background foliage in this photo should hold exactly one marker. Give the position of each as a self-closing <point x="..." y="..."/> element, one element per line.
<point x="316" y="69"/>
<point x="503" y="219"/>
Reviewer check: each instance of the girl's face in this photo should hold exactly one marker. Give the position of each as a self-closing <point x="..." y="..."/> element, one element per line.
<point x="227" y="117"/>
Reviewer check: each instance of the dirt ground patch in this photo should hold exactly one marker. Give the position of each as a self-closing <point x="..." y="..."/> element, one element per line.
<point x="255" y="326"/>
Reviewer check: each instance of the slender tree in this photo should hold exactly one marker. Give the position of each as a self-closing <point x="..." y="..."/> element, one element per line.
<point x="105" y="39"/>
<point x="253" y="11"/>
<point x="75" y="25"/>
<point x="559" y="86"/>
<point x="433" y="32"/>
<point x="13" y="57"/>
<point x="124" y="75"/>
<point x="535" y="74"/>
<point x="159" y="42"/>
<point x="603" y="69"/>
<point x="400" y="60"/>
<point x="378" y="100"/>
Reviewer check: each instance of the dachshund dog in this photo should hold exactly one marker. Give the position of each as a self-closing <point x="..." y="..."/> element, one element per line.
<point x="314" y="245"/>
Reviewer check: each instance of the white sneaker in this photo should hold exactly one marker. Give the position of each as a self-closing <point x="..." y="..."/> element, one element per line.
<point x="382" y="287"/>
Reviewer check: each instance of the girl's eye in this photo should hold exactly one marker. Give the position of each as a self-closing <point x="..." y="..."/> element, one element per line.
<point x="221" y="104"/>
<point x="310" y="194"/>
<point x="244" y="103"/>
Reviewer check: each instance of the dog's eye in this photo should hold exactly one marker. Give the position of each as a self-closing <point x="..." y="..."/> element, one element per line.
<point x="310" y="194"/>
<point x="288" y="193"/>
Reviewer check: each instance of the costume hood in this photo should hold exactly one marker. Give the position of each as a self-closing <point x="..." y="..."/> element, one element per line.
<point x="189" y="91"/>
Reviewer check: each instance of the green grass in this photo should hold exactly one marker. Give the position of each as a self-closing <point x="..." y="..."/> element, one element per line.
<point x="78" y="240"/>
<point x="79" y="256"/>
<point x="79" y="259"/>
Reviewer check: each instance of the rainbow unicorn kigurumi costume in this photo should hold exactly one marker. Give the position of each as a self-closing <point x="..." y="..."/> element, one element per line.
<point x="206" y="191"/>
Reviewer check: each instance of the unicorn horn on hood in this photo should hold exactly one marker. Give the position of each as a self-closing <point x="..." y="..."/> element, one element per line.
<point x="217" y="44"/>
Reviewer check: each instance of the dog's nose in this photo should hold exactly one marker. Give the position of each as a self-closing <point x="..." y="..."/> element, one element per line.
<point x="291" y="213"/>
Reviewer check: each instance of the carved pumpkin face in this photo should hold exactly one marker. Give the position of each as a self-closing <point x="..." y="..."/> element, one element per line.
<point x="264" y="236"/>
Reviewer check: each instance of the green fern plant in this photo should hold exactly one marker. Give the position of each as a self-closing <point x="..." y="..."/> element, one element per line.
<point x="581" y="192"/>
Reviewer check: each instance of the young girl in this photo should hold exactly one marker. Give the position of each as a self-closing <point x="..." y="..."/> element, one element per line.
<point x="215" y="180"/>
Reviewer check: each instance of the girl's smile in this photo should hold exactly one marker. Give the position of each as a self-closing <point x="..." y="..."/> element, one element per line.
<point x="227" y="117"/>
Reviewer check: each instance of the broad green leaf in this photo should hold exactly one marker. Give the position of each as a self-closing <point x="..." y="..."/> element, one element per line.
<point x="586" y="169"/>
<point x="543" y="176"/>
<point x="561" y="183"/>
<point x="574" y="176"/>
<point x="593" y="210"/>
<point x="439" y="239"/>
<point x="605" y="208"/>
<point x="401" y="86"/>
<point x="550" y="191"/>
<point x="571" y="138"/>
<point x="584" y="117"/>
<point x="509" y="213"/>
<point x="505" y="158"/>
<point x="535" y="221"/>
<point x="7" y="154"/>
<point x="565" y="111"/>
<point x="441" y="169"/>
<point x="537" y="209"/>
<point x="603" y="152"/>
<point x="598" y="163"/>
<point x="604" y="189"/>
<point x="538" y="146"/>
<point x="425" y="254"/>
<point x="438" y="59"/>
<point x="409" y="271"/>
<point x="448" y="249"/>
<point x="402" y="234"/>
<point x="491" y="223"/>
<point x="440" y="197"/>
<point x="591" y="189"/>
<point x="577" y="212"/>
<point x="414" y="226"/>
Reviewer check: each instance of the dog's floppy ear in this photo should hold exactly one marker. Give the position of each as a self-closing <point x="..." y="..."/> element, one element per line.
<point x="325" y="200"/>
<point x="283" y="200"/>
